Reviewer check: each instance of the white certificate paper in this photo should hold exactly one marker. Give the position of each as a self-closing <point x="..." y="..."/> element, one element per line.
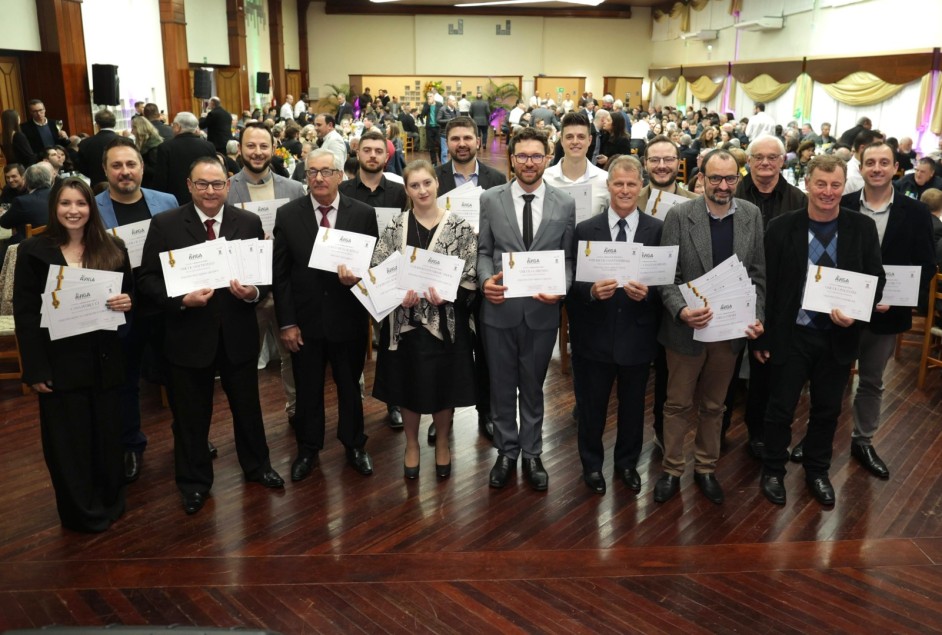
<point x="657" y="265"/>
<point x="607" y="260"/>
<point x="528" y="273"/>
<point x="902" y="285"/>
<point x="827" y="288"/>
<point x="582" y="195"/>
<point x="385" y="215"/>
<point x="63" y="277"/>
<point x="202" y="266"/>
<point x="731" y="316"/>
<point x="81" y="309"/>
<point x="381" y="284"/>
<point x="266" y="211"/>
<point x="466" y="207"/>
<point x="422" y="269"/>
<point x="133" y="235"/>
<point x="335" y="247"/>
<point x="661" y="203"/>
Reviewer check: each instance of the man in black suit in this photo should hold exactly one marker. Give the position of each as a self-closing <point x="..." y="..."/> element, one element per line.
<point x="463" y="143"/>
<point x="28" y="209"/>
<point x="905" y="229"/>
<point x="15" y="183"/>
<point x="807" y="345"/>
<point x="480" y="112"/>
<point x="430" y="113"/>
<point x="613" y="333"/>
<point x="218" y="125"/>
<point x="407" y="119"/>
<point x="321" y="321"/>
<point x="92" y="149"/>
<point x="174" y="157"/>
<point x="344" y="109"/>
<point x="152" y="113"/>
<point x="40" y="131"/>
<point x="850" y="134"/>
<point x="208" y="331"/>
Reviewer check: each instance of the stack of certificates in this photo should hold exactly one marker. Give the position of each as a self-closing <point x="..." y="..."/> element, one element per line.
<point x="464" y="201"/>
<point x="74" y="301"/>
<point x="729" y="292"/>
<point x="659" y="205"/>
<point x="625" y="262"/>
<point x="266" y="211"/>
<point x="133" y="235"/>
<point x="213" y="264"/>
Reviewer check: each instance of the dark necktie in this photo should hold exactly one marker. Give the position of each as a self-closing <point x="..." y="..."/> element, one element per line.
<point x="210" y="232"/>
<point x="622" y="236"/>
<point x="324" y="210"/>
<point x="528" y="219"/>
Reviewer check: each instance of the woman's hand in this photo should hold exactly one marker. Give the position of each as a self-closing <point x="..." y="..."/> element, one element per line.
<point x="120" y="302"/>
<point x="411" y="299"/>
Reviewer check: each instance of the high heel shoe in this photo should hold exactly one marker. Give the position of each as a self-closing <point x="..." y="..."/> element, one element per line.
<point x="443" y="471"/>
<point x="410" y="472"/>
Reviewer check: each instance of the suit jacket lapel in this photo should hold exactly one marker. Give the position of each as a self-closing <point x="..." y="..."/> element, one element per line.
<point x="700" y="235"/>
<point x="549" y="212"/>
<point x="230" y="228"/>
<point x="194" y="227"/>
<point x="306" y="217"/>
<point x="507" y="202"/>
<point x="742" y="235"/>
<point x="893" y="224"/>
<point x="645" y="229"/>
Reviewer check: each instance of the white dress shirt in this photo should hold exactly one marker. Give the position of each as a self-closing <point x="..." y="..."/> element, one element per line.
<point x="536" y="205"/>
<point x="630" y="229"/>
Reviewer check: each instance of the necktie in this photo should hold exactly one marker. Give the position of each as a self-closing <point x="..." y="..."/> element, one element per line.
<point x="210" y="232"/>
<point x="324" y="210"/>
<point x="528" y="219"/>
<point x="622" y="236"/>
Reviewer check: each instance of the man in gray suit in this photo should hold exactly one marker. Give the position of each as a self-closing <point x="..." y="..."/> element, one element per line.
<point x="480" y="112"/>
<point x="257" y="182"/>
<point x="520" y="333"/>
<point x="708" y="230"/>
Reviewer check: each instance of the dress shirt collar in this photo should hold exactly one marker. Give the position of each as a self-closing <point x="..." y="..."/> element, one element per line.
<point x="518" y="191"/>
<point x="630" y="228"/>
<point x="217" y="218"/>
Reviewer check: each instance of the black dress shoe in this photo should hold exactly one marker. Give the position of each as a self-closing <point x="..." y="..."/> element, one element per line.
<point x="798" y="452"/>
<point x="443" y="471"/>
<point x="302" y="466"/>
<point x="666" y="487"/>
<point x="867" y="457"/>
<point x="213" y="450"/>
<point x="269" y="478"/>
<point x="432" y="434"/>
<point x="595" y="481"/>
<point x="822" y="490"/>
<point x="132" y="465"/>
<point x="500" y="473"/>
<point x="486" y="426"/>
<point x="630" y="477"/>
<point x="710" y="487"/>
<point x="359" y="459"/>
<point x="193" y="502"/>
<point x="410" y="473"/>
<point x="755" y="448"/>
<point x="395" y="417"/>
<point x="773" y="488"/>
<point x="535" y="474"/>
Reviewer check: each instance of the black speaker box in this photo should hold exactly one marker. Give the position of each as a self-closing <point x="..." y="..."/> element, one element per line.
<point x="262" y="83"/>
<point x="202" y="83"/>
<point x="105" y="84"/>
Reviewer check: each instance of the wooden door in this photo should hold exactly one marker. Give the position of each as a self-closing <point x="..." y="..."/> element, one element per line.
<point x="293" y="79"/>
<point x="627" y="89"/>
<point x="234" y="97"/>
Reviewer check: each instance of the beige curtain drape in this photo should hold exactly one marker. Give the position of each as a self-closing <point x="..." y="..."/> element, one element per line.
<point x="935" y="124"/>
<point x="804" y="86"/>
<point x="681" y="97"/>
<point x="731" y="103"/>
<point x="705" y="88"/>
<point x="765" y="88"/>
<point x="683" y="10"/>
<point x="664" y="85"/>
<point x="861" y="89"/>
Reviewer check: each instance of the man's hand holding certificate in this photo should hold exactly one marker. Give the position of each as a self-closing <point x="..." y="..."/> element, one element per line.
<point x="624" y="262"/>
<point x="201" y="266"/>
<point x="721" y="304"/>
<point x="827" y="289"/>
<point x="335" y="247"/>
<point x="902" y="285"/>
<point x="532" y="273"/>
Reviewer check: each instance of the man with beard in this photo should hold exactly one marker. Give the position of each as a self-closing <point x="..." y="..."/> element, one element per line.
<point x="520" y="333"/>
<point x="257" y="182"/>
<point x="463" y="143"/>
<point x="329" y="138"/>
<point x="123" y="203"/>
<point x="371" y="186"/>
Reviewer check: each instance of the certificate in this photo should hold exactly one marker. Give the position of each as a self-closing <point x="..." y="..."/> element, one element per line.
<point x="266" y="211"/>
<point x="381" y="284"/>
<point x="466" y="207"/>
<point x="385" y="215"/>
<point x="422" y="269"/>
<point x="902" y="285"/>
<point x="827" y="288"/>
<point x="202" y="266"/>
<point x="657" y="265"/>
<point x="362" y="294"/>
<point x="335" y="247"/>
<point x="731" y="316"/>
<point x="607" y="260"/>
<point x="133" y="235"/>
<point x="82" y="309"/>
<point x="659" y="205"/>
<point x="582" y="195"/>
<point x="64" y="277"/>
<point x="528" y="273"/>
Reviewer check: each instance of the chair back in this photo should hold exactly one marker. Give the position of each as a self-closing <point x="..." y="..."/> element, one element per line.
<point x="34" y="231"/>
<point x="682" y="171"/>
<point x="6" y="281"/>
<point x="932" y="340"/>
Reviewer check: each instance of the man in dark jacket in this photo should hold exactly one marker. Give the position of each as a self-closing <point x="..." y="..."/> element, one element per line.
<point x="174" y="157"/>
<point x="92" y="149"/>
<point x="40" y="131"/>
<point x="218" y="125"/>
<point x="29" y="209"/>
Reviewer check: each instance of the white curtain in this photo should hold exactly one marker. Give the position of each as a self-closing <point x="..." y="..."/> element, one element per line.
<point x="781" y="110"/>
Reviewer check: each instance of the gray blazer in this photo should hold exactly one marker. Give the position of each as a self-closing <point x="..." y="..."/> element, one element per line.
<point x="688" y="225"/>
<point x="499" y="233"/>
<point x="284" y="188"/>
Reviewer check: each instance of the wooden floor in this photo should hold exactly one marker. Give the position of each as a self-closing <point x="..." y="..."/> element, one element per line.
<point x="343" y="553"/>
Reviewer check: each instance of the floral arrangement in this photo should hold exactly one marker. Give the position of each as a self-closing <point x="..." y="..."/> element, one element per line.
<point x="283" y="153"/>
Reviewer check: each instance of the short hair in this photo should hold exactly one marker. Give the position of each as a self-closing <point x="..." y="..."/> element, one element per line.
<point x="574" y="119"/>
<point x="105" y="119"/>
<point x="826" y="163"/>
<point x="826" y="124"/>
<point x="214" y="101"/>
<point x="9" y="167"/>
<point x="48" y="149"/>
<point x="120" y="142"/>
<point x="878" y="144"/>
<point x="627" y="163"/>
<point x="38" y="176"/>
<point x="373" y="135"/>
<point x="328" y="118"/>
<point x="33" y="102"/>
<point x="461" y="121"/>
<point x="208" y="160"/>
<point x="863" y="138"/>
<point x="927" y="161"/>
<point x="151" y="111"/>
<point x="763" y="138"/>
<point x="292" y="131"/>
<point x="232" y="146"/>
<point x="716" y="154"/>
<point x="256" y="125"/>
<point x="863" y="121"/>
<point x="529" y="134"/>
<point x="933" y="198"/>
<point x="760" y="106"/>
<point x="187" y="121"/>
<point x="661" y="139"/>
<point x="320" y="152"/>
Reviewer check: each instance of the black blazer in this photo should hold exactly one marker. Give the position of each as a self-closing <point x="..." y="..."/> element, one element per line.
<point x="312" y="299"/>
<point x="192" y="335"/>
<point x="408" y="123"/>
<point x="618" y="330"/>
<point x="906" y="241"/>
<point x="218" y="126"/>
<point x="31" y="130"/>
<point x="22" y="151"/>
<point x="343" y="111"/>
<point x="91" y="151"/>
<point x="89" y="360"/>
<point x="32" y="208"/>
<point x="173" y="163"/>
<point x="488" y="177"/>
<point x="786" y="267"/>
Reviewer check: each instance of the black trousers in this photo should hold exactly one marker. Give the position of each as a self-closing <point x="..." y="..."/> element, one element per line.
<point x="190" y="391"/>
<point x="433" y="143"/>
<point x="346" y="361"/>
<point x="594" y="388"/>
<point x="482" y="132"/>
<point x="809" y="359"/>
<point x="144" y="330"/>
<point x="757" y="399"/>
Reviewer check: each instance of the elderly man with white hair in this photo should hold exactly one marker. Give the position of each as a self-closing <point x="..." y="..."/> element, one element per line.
<point x="175" y="156"/>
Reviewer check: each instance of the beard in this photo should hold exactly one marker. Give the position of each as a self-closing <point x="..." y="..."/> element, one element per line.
<point x="251" y="168"/>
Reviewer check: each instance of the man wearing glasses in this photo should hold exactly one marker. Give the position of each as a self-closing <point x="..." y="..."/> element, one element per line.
<point x="40" y="131"/>
<point x="321" y="321"/>
<point x="708" y="230"/>
<point x="208" y="331"/>
<point x="520" y="333"/>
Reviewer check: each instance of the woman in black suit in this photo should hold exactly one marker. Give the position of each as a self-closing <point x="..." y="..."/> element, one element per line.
<point x="77" y="377"/>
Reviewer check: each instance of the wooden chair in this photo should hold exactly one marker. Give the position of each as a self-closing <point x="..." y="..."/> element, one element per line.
<point x="35" y="231"/>
<point x="10" y="360"/>
<point x="912" y="337"/>
<point x="932" y="338"/>
<point x="682" y="171"/>
<point x="408" y="143"/>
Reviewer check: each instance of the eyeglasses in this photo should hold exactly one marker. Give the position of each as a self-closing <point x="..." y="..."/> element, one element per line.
<point x="771" y="158"/>
<point x="523" y="158"/>
<point x="326" y="173"/>
<point x="202" y="186"/>
<point x="730" y="179"/>
<point x="664" y="160"/>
